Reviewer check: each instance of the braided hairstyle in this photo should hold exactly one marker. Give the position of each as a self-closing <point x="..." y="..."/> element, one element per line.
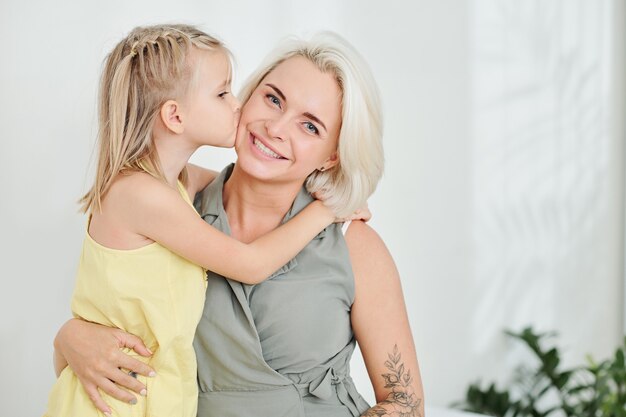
<point x="144" y="70"/>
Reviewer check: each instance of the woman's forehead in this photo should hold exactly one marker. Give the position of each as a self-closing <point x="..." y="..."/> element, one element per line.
<point x="302" y="68"/>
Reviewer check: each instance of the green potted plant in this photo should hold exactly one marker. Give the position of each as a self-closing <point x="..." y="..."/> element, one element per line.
<point x="597" y="389"/>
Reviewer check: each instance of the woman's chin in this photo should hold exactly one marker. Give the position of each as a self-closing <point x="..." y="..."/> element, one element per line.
<point x="256" y="168"/>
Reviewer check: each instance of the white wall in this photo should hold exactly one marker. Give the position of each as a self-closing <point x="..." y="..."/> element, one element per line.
<point x="619" y="100"/>
<point x="548" y="163"/>
<point x="502" y="206"/>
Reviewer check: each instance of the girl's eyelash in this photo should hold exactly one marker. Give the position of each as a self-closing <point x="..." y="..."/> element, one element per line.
<point x="222" y="94"/>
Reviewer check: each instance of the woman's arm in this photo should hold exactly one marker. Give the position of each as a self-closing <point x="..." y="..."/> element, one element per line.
<point x="381" y="327"/>
<point x="159" y="213"/>
<point x="198" y="179"/>
<point x="93" y="352"/>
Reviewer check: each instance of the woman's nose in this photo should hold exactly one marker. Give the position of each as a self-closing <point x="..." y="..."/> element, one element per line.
<point x="276" y="128"/>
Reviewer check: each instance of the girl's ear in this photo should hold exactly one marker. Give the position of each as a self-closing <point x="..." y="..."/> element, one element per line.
<point x="171" y="116"/>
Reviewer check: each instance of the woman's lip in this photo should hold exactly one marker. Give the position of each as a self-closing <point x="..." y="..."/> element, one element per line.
<point x="253" y="137"/>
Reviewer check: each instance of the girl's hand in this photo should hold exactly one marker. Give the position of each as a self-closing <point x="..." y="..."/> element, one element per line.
<point x="363" y="214"/>
<point x="93" y="352"/>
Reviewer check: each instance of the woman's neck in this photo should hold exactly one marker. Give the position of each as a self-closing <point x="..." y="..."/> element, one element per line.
<point x="255" y="207"/>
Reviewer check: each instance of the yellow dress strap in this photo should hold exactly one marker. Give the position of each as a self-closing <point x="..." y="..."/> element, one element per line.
<point x="183" y="192"/>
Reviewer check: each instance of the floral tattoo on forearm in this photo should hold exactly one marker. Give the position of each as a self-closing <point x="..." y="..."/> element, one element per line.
<point x="401" y="401"/>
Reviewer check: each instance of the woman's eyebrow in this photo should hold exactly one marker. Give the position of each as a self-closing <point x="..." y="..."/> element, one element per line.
<point x="315" y="119"/>
<point x="307" y="114"/>
<point x="277" y="90"/>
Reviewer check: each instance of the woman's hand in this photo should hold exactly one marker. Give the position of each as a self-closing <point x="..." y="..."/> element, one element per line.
<point x="93" y="352"/>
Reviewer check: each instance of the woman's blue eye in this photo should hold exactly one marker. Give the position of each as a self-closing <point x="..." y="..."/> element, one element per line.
<point x="311" y="127"/>
<point x="273" y="99"/>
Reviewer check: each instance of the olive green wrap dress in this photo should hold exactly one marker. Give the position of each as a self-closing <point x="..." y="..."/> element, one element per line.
<point x="281" y="348"/>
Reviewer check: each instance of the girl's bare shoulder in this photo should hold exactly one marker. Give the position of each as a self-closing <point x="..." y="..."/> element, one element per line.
<point x="137" y="187"/>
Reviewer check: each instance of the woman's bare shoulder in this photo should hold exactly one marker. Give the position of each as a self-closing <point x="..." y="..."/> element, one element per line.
<point x="362" y="237"/>
<point x="370" y="258"/>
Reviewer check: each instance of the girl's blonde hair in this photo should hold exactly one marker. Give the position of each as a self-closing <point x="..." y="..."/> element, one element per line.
<point x="144" y="70"/>
<point x="346" y="187"/>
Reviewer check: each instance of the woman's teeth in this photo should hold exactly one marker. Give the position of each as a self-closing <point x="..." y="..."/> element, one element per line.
<point x="267" y="151"/>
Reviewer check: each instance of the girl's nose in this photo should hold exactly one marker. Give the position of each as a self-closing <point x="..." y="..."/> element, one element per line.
<point x="236" y="103"/>
<point x="236" y="106"/>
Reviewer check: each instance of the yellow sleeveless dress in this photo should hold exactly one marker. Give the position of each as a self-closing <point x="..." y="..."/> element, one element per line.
<point x="154" y="294"/>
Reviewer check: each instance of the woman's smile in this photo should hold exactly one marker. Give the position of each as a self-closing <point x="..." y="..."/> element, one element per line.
<point x="262" y="147"/>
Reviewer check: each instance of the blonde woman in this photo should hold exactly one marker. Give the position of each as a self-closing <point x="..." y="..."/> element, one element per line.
<point x="165" y="92"/>
<point x="282" y="348"/>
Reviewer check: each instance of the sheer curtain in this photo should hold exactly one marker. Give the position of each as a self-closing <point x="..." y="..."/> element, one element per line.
<point x="548" y="175"/>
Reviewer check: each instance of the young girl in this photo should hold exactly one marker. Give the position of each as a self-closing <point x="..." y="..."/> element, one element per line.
<point x="165" y="91"/>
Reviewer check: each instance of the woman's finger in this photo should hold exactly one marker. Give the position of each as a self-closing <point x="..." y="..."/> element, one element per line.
<point x="96" y="399"/>
<point x="127" y="379"/>
<point x="133" y="342"/>
<point x="115" y="391"/>
<point x="128" y="362"/>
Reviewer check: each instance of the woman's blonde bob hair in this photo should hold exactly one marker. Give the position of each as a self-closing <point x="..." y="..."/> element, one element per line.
<point x="147" y="68"/>
<point x="346" y="187"/>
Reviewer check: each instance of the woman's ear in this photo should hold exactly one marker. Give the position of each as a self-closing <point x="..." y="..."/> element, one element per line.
<point x="171" y="116"/>
<point x="330" y="162"/>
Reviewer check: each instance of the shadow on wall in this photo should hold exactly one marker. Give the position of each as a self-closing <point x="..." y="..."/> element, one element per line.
<point x="546" y="196"/>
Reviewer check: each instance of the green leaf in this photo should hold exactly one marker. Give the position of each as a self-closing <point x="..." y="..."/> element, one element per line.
<point x="619" y="359"/>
